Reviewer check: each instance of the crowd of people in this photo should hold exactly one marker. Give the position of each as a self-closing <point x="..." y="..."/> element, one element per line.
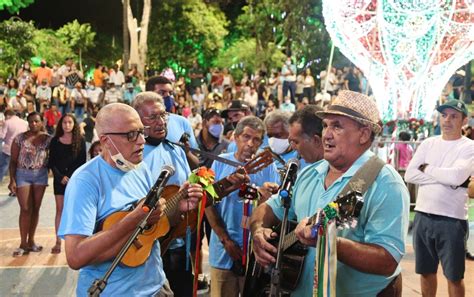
<point x="106" y="139"/>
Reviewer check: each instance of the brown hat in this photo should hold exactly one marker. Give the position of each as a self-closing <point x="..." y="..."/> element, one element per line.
<point x="235" y="105"/>
<point x="356" y="106"/>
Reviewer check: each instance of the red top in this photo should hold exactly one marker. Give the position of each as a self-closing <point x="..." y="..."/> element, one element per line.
<point x="52" y="118"/>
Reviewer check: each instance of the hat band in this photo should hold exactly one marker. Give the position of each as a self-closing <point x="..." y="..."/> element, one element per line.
<point x="347" y="111"/>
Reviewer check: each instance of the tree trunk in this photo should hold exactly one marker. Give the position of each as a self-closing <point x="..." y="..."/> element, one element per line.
<point x="143" y="44"/>
<point x="126" y="38"/>
<point x="138" y="38"/>
<point x="132" y="28"/>
<point x="80" y="60"/>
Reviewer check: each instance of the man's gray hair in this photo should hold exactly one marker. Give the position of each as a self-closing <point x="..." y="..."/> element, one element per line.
<point x="252" y="122"/>
<point x="145" y="98"/>
<point x="276" y="117"/>
<point x="109" y="114"/>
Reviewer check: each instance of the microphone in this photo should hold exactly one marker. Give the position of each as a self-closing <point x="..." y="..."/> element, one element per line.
<point x="155" y="192"/>
<point x="290" y="177"/>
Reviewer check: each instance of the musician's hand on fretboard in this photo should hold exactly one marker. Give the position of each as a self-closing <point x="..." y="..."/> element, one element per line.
<point x="304" y="233"/>
<point x="193" y="197"/>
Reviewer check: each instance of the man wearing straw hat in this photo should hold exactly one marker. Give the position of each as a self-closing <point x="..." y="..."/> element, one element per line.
<point x="368" y="255"/>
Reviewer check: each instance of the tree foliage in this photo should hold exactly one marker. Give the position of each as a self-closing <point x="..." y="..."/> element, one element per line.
<point x="14" y="6"/>
<point x="243" y="56"/>
<point x="184" y="30"/>
<point x="295" y="26"/>
<point x="78" y="37"/>
<point x="50" y="47"/>
<point x="15" y="44"/>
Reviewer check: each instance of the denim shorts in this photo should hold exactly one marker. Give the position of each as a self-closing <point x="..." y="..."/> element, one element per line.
<point x="440" y="239"/>
<point x="27" y="177"/>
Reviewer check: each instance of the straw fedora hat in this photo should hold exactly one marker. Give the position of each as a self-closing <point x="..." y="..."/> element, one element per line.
<point x="356" y="106"/>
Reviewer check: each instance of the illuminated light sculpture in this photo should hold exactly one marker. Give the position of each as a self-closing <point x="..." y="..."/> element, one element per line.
<point x="407" y="50"/>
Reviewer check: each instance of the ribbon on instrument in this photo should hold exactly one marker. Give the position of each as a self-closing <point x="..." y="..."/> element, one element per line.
<point x="201" y="209"/>
<point x="205" y="177"/>
<point x="245" y="228"/>
<point x="325" y="266"/>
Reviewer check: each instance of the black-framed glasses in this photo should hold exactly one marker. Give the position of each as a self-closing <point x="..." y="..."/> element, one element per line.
<point x="163" y="116"/>
<point x="132" y="136"/>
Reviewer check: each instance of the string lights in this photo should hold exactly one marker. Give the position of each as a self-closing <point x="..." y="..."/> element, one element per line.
<point x="407" y="49"/>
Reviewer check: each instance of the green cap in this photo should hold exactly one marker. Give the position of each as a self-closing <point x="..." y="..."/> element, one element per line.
<point x="454" y="104"/>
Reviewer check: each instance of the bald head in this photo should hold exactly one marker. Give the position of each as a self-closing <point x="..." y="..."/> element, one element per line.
<point x="113" y="116"/>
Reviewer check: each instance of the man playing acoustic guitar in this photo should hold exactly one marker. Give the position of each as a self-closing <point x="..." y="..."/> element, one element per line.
<point x="369" y="255"/>
<point x="228" y="218"/>
<point x="111" y="182"/>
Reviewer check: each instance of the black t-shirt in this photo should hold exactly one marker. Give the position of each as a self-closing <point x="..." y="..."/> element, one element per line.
<point x="89" y="129"/>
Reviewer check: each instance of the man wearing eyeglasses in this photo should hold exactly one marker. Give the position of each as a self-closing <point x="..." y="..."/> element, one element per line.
<point x="158" y="152"/>
<point x="176" y="123"/>
<point x="113" y="182"/>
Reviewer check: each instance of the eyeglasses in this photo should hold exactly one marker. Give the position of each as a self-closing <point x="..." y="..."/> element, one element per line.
<point x="163" y="116"/>
<point x="132" y="136"/>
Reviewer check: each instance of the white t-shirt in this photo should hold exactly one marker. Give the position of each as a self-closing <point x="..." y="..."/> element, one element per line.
<point x="450" y="163"/>
<point x="94" y="95"/>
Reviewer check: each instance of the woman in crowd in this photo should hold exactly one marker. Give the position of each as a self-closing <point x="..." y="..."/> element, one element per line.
<point x="66" y="153"/>
<point x="12" y="89"/>
<point x="29" y="178"/>
<point x="95" y="149"/>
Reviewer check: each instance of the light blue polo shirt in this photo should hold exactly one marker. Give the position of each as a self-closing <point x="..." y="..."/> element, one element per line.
<point x="95" y="191"/>
<point x="177" y="125"/>
<point x="168" y="154"/>
<point x="230" y="209"/>
<point x="383" y="221"/>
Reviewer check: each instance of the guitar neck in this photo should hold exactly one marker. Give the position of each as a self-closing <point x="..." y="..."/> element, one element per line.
<point x="291" y="239"/>
<point x="172" y="203"/>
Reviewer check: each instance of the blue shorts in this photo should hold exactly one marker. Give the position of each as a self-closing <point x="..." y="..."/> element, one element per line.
<point x="27" y="177"/>
<point x="440" y="239"/>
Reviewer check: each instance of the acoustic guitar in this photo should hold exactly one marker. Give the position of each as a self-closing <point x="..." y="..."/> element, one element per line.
<point x="257" y="279"/>
<point x="261" y="161"/>
<point x="140" y="250"/>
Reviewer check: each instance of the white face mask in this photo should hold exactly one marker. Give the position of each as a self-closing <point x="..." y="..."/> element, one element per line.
<point x="122" y="163"/>
<point x="278" y="145"/>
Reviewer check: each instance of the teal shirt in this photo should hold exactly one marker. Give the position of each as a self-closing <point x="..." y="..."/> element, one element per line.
<point x="383" y="221"/>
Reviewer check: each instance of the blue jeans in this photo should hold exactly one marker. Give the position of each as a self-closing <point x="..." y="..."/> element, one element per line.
<point x="79" y="113"/>
<point x="289" y="86"/>
<point x="4" y="163"/>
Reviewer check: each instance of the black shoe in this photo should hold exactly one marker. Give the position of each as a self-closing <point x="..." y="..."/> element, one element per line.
<point x="203" y="285"/>
<point x="469" y="256"/>
<point x="12" y="194"/>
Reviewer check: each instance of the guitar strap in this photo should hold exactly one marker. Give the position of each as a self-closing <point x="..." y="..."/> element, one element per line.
<point x="365" y="176"/>
<point x="325" y="273"/>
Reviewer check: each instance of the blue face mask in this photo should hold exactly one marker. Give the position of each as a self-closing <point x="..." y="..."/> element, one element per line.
<point x="216" y="130"/>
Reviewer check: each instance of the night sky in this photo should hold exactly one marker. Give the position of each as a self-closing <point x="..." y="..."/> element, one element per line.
<point x="104" y="15"/>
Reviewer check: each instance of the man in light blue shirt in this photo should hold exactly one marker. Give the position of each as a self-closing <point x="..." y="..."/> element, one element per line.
<point x="226" y="218"/>
<point x="114" y="181"/>
<point x="157" y="153"/>
<point x="368" y="255"/>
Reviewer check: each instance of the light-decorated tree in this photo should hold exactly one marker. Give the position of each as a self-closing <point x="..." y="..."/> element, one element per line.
<point x="79" y="37"/>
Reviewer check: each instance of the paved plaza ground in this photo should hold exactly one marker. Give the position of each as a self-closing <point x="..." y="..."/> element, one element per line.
<point x="44" y="274"/>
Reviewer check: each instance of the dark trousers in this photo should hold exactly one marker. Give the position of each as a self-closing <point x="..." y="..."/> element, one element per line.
<point x="174" y="265"/>
<point x="289" y="86"/>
